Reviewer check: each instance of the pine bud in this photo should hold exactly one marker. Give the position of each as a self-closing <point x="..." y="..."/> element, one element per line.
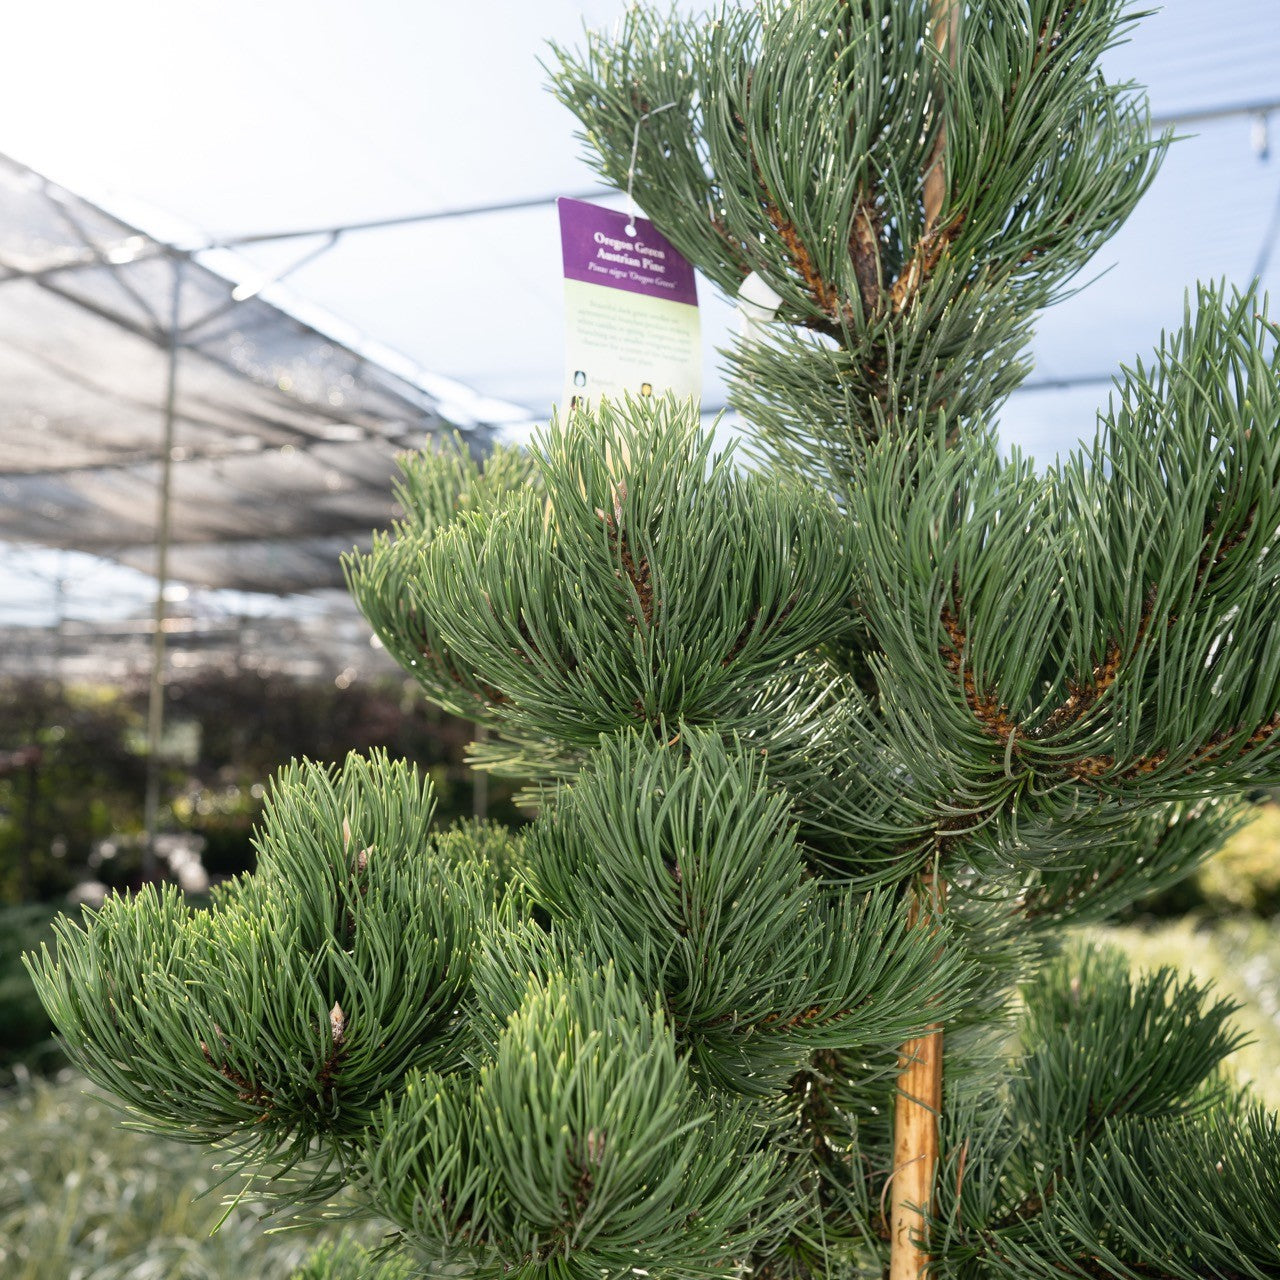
<point x="337" y="1023"/>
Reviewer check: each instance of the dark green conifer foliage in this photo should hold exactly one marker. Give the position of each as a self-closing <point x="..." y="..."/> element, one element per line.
<point x="827" y="751"/>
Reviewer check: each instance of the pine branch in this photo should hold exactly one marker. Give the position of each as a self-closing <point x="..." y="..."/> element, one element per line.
<point x="1104" y="1053"/>
<point x="1169" y="624"/>
<point x="663" y="1032"/>
<point x="581" y="607"/>
<point x="582" y="1144"/>
<point x="701" y="893"/>
<point x="276" y="1020"/>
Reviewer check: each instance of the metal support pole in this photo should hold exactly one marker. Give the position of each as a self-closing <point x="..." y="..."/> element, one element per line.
<point x="59" y="619"/>
<point x="480" y="782"/>
<point x="155" y="702"/>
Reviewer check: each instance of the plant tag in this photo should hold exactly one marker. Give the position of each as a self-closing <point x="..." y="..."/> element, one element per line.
<point x="631" y="308"/>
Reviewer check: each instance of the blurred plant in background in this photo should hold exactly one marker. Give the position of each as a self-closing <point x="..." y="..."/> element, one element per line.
<point x="1245" y="875"/>
<point x="27" y="1044"/>
<point x="69" y="779"/>
<point x="71" y="794"/>
<point x="88" y="1200"/>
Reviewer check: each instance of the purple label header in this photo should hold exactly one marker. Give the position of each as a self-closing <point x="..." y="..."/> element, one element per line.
<point x="598" y="250"/>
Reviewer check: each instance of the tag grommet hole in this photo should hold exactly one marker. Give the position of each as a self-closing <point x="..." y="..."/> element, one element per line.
<point x="629" y="229"/>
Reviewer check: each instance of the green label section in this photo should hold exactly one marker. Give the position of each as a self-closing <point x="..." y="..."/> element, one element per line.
<point x="617" y="342"/>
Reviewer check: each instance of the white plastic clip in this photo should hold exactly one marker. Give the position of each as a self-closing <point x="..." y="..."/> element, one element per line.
<point x="758" y="303"/>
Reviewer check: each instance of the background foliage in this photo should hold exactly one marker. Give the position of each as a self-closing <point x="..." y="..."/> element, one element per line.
<point x="82" y="1198"/>
<point x="82" y="796"/>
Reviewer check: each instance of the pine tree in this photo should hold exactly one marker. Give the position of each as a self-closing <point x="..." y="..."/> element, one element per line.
<point x="828" y="751"/>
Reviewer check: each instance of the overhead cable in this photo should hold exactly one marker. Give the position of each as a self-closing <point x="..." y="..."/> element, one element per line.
<point x="1173" y="119"/>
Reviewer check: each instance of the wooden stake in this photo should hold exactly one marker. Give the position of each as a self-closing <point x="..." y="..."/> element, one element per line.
<point x="916" y="1109"/>
<point x="944" y="17"/>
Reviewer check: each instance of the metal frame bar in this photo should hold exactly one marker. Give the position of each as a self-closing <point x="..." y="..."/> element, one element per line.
<point x="237" y="298"/>
<point x="155" y="700"/>
<point x="347" y="532"/>
<point x="84" y="262"/>
<point x="60" y="207"/>
<point x="302" y="443"/>
<point x="1174" y="119"/>
<point x="157" y="336"/>
<point x="408" y="219"/>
